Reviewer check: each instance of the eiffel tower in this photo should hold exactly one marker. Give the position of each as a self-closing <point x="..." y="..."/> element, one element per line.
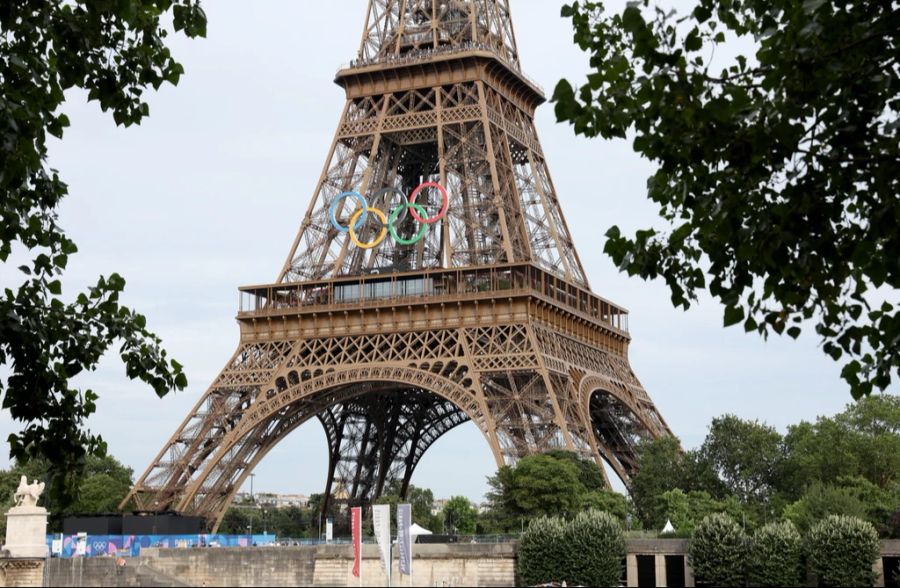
<point x="482" y="314"/>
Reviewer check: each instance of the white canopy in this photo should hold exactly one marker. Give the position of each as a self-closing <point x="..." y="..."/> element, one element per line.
<point x="417" y="530"/>
<point x="668" y="528"/>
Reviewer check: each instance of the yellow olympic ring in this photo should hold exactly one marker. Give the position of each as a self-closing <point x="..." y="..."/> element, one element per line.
<point x="353" y="236"/>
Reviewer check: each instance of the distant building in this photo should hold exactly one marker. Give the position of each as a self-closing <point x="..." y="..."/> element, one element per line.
<point x="438" y="505"/>
<point x="270" y="500"/>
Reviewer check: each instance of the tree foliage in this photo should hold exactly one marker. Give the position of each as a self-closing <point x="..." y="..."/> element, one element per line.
<point x="777" y="174"/>
<point x="663" y="469"/>
<point x="686" y="510"/>
<point x="846" y="464"/>
<point x="746" y="455"/>
<point x="557" y="483"/>
<point x="841" y="551"/>
<point x="849" y="496"/>
<point x="718" y="552"/>
<point x="285" y="523"/>
<point x="776" y="556"/>
<point x="460" y="517"/>
<point x="114" y="51"/>
<point x="100" y="490"/>
<point x="420" y="499"/>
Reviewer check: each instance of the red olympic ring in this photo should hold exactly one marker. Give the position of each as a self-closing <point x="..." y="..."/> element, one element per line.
<point x="444" y="208"/>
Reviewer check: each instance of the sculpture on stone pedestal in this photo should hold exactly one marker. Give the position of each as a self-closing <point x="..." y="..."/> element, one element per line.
<point x="26" y="523"/>
<point x="27" y="494"/>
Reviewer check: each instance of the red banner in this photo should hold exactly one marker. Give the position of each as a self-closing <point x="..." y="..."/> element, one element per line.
<point x="356" y="524"/>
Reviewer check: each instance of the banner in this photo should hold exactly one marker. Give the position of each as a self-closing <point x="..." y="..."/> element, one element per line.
<point x="356" y="525"/>
<point x="381" y="518"/>
<point x="329" y="530"/>
<point x="404" y="538"/>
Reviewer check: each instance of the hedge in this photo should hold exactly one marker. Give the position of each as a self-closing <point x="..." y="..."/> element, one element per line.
<point x="776" y="556"/>
<point x="589" y="551"/>
<point x="541" y="556"/>
<point x="842" y="550"/>
<point x="595" y="550"/>
<point x="718" y="552"/>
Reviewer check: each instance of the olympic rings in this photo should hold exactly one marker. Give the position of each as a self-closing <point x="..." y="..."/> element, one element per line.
<point x="398" y="214"/>
<point x="381" y="236"/>
<point x="384" y="191"/>
<point x="444" y="208"/>
<point x="333" y="210"/>
<point x="392" y="226"/>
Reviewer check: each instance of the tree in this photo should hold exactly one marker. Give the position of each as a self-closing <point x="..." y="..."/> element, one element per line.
<point x="421" y="500"/>
<point x="663" y="467"/>
<point x="862" y="442"/>
<point x="557" y="483"/>
<point x="778" y="176"/>
<point x="874" y="427"/>
<point x="460" y="517"/>
<point x="104" y="485"/>
<point x="543" y="486"/>
<point x="687" y="510"/>
<point x="589" y="473"/>
<point x="114" y="51"/>
<point x="606" y="501"/>
<point x="746" y="455"/>
<point x="848" y="496"/>
<point x="818" y="452"/>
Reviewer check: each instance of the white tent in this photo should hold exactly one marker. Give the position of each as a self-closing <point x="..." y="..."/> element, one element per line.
<point x="417" y="530"/>
<point x="668" y="528"/>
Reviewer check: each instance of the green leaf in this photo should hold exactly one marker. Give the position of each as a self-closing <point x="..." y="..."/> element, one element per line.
<point x="693" y="41"/>
<point x="702" y="14"/>
<point x="632" y="20"/>
<point x="733" y="315"/>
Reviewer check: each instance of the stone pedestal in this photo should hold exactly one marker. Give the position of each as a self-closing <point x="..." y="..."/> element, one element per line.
<point x="26" y="532"/>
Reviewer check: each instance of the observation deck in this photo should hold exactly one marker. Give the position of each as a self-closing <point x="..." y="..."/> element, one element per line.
<point x="433" y="299"/>
<point x="443" y="65"/>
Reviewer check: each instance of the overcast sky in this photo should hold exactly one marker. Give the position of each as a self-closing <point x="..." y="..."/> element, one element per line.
<point x="208" y="193"/>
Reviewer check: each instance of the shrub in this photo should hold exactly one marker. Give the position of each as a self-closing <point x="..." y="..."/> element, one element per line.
<point x="595" y="548"/>
<point x="541" y="554"/>
<point x="842" y="551"/>
<point x="776" y="556"/>
<point x="717" y="552"/>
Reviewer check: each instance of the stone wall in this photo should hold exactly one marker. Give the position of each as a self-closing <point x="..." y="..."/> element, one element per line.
<point x="16" y="573"/>
<point x="260" y="566"/>
<point x="434" y="565"/>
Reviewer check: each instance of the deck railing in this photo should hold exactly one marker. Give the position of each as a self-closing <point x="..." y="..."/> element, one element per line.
<point x="432" y="287"/>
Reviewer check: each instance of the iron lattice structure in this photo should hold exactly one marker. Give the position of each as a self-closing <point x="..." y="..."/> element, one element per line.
<point x="488" y="319"/>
